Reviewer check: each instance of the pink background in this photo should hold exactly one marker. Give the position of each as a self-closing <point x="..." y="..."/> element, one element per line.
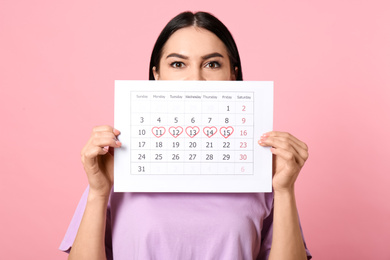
<point x="330" y="61"/>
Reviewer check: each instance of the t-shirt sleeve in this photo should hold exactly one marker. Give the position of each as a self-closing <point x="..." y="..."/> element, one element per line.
<point x="266" y="238"/>
<point x="73" y="227"/>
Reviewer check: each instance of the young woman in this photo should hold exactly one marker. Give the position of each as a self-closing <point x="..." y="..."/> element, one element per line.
<point x="110" y="225"/>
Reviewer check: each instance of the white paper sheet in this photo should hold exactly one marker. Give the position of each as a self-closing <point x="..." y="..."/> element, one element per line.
<point x="193" y="136"/>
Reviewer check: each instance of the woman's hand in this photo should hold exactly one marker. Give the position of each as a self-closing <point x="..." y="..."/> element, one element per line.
<point x="290" y="154"/>
<point x="98" y="162"/>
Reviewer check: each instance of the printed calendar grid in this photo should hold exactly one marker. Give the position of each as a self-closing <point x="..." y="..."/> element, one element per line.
<point x="165" y="164"/>
<point x="193" y="177"/>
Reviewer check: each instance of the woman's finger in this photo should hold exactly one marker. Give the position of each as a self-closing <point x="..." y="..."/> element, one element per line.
<point x="285" y="141"/>
<point x="89" y="155"/>
<point x="107" y="135"/>
<point x="102" y="142"/>
<point x="285" y="147"/>
<point x="106" y="128"/>
<point x="288" y="136"/>
<point x="99" y="144"/>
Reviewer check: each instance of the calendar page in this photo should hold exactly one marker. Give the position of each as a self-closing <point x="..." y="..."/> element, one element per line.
<point x="193" y="136"/>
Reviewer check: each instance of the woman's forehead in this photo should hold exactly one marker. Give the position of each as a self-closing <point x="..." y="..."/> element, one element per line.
<point x="193" y="41"/>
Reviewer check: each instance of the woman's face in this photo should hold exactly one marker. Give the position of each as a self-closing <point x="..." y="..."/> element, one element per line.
<point x="193" y="53"/>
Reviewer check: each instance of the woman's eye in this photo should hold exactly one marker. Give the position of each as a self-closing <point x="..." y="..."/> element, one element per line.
<point x="213" y="65"/>
<point x="177" y="64"/>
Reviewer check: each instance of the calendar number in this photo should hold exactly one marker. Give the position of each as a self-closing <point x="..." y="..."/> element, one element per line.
<point x="175" y="157"/>
<point x="141" y="168"/>
<point x="210" y="131"/>
<point x="192" y="157"/>
<point x="243" y="144"/>
<point x="141" y="144"/>
<point x="243" y="157"/>
<point x="226" y="144"/>
<point x="192" y="145"/>
<point x="192" y="131"/>
<point x="226" y="131"/>
<point x="141" y="157"/>
<point x="158" y="131"/>
<point x="158" y="157"/>
<point x="175" y="131"/>
<point x="226" y="157"/>
<point x="209" y="157"/>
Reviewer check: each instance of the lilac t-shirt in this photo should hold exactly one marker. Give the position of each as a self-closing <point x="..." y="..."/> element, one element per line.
<point x="184" y="226"/>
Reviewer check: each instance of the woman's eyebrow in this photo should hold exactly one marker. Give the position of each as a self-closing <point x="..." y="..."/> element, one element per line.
<point x="212" y="55"/>
<point x="177" y="56"/>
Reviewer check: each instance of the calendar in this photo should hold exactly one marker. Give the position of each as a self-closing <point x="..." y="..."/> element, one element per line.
<point x="193" y="136"/>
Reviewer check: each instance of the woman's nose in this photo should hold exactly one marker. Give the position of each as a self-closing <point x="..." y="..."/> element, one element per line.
<point x="196" y="74"/>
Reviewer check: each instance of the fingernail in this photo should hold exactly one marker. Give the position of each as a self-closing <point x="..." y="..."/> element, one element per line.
<point x="118" y="143"/>
<point x="261" y="142"/>
<point x="105" y="148"/>
<point x="265" y="135"/>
